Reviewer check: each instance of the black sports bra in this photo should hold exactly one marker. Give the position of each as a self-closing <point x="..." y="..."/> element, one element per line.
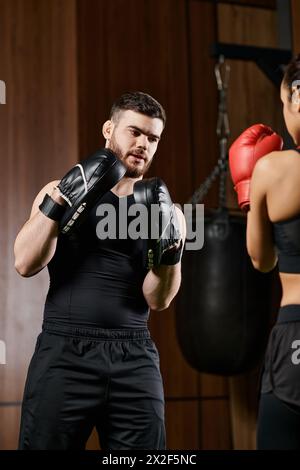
<point x="287" y="240"/>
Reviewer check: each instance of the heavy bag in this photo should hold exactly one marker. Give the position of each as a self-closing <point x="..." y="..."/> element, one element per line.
<point x="224" y="305"/>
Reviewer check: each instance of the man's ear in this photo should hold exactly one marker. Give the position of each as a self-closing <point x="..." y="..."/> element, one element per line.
<point x="107" y="129"/>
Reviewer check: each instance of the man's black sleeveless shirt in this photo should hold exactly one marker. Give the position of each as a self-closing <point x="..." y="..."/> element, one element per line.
<point x="98" y="283"/>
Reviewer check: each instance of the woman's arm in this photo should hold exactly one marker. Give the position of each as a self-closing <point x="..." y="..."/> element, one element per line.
<point x="260" y="243"/>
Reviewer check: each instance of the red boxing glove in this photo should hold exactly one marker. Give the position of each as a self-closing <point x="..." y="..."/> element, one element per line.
<point x="252" y="144"/>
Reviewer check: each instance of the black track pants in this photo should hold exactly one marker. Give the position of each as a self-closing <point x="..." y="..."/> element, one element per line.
<point x="79" y="378"/>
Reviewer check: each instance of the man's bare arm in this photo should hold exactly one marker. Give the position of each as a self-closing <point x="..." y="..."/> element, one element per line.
<point x="162" y="283"/>
<point x="36" y="242"/>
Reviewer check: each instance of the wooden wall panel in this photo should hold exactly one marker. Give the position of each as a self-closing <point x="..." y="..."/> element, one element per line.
<point x="295" y="17"/>
<point x="163" y="49"/>
<point x="130" y="45"/>
<point x="148" y="51"/>
<point x="179" y="378"/>
<point x="215" y="425"/>
<point x="253" y="3"/>
<point x="244" y="392"/>
<point x="252" y="98"/>
<point x="64" y="63"/>
<point x="38" y="142"/>
<point x="202" y="94"/>
<point x="213" y="386"/>
<point x="203" y="107"/>
<point x="93" y="442"/>
<point x="9" y="428"/>
<point x="182" y="424"/>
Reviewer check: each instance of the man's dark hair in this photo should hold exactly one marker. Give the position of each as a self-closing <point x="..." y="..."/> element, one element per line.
<point x="139" y="102"/>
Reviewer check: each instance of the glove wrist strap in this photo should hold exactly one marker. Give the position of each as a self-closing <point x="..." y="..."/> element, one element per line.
<point x="173" y="256"/>
<point x="52" y="209"/>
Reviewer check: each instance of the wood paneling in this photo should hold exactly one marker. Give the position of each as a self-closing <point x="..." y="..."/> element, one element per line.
<point x="148" y="51"/>
<point x="252" y="3"/>
<point x="215" y="425"/>
<point x="179" y="378"/>
<point x="182" y="424"/>
<point x="126" y="45"/>
<point x="244" y="391"/>
<point x="64" y="63"/>
<point x="93" y="442"/>
<point x="9" y="429"/>
<point x="38" y="142"/>
<point x="252" y="98"/>
<point x="202" y="94"/>
<point x="212" y="386"/>
<point x="295" y="17"/>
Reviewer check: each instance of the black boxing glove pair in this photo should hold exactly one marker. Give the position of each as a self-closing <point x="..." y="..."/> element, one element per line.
<point x="90" y="179"/>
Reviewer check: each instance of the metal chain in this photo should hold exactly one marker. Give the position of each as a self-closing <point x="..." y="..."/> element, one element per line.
<point x="223" y="133"/>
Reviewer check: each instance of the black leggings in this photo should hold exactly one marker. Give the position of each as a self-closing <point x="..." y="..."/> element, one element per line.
<point x="278" y="424"/>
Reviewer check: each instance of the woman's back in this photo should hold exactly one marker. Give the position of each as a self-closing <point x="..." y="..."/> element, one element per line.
<point x="283" y="205"/>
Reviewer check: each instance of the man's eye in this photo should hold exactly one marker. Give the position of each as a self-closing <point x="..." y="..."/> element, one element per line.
<point x="135" y="133"/>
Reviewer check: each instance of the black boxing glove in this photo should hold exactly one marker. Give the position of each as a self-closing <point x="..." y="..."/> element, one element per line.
<point x="86" y="182"/>
<point x="161" y="249"/>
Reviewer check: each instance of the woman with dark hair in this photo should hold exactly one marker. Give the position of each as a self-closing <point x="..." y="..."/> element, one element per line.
<point x="267" y="181"/>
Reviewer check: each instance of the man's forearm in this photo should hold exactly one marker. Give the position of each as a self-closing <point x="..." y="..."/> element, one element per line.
<point x="35" y="244"/>
<point x="161" y="284"/>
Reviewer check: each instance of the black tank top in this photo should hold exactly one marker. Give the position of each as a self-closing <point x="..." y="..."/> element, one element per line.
<point x="287" y="240"/>
<point x="97" y="282"/>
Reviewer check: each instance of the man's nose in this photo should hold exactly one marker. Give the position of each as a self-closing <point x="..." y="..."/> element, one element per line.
<point x="142" y="141"/>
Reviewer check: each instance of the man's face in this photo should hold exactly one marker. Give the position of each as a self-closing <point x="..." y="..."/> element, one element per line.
<point x="134" y="138"/>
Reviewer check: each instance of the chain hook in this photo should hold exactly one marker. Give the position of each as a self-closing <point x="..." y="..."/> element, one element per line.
<point x="222" y="74"/>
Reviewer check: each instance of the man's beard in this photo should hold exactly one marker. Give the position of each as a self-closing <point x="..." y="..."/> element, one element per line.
<point x="131" y="171"/>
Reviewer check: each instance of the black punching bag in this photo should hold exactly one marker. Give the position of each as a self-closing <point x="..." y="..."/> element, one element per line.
<point x="223" y="307"/>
